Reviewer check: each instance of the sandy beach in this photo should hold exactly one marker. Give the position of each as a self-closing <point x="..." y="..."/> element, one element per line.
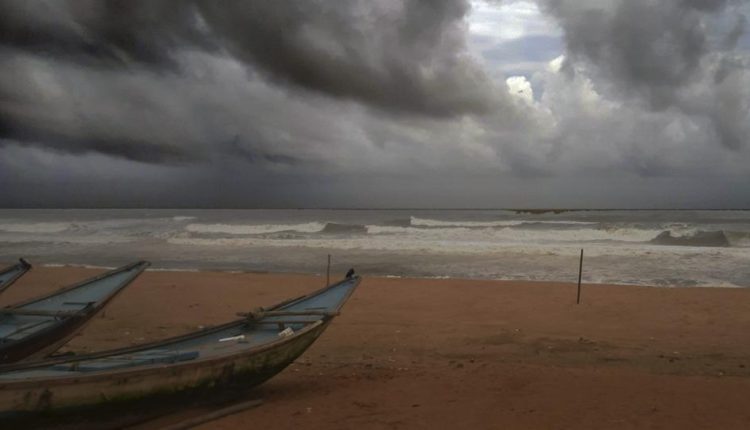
<point x="428" y="353"/>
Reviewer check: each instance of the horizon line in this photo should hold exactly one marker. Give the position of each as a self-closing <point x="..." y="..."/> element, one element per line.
<point x="529" y="210"/>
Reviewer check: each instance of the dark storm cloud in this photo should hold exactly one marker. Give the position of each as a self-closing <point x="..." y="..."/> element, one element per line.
<point x="128" y="149"/>
<point x="79" y="143"/>
<point x="399" y="55"/>
<point x="736" y="32"/>
<point x="406" y="56"/>
<point x="650" y="47"/>
<point x="144" y="79"/>
<point x="672" y="54"/>
<point x="322" y="103"/>
<point x="252" y="154"/>
<point x="111" y="33"/>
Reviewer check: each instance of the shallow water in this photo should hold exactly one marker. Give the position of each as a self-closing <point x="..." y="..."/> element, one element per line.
<point x="663" y="248"/>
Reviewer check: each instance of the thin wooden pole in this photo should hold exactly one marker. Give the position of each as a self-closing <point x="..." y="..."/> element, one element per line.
<point x="328" y="271"/>
<point x="580" y="271"/>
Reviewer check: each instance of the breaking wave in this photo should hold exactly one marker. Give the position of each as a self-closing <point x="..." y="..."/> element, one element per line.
<point x="512" y="231"/>
<point x="247" y="229"/>
<point x="698" y="238"/>
<point x="426" y="222"/>
<point x="181" y="218"/>
<point x="37" y="227"/>
<point x="399" y="222"/>
<point x="516" y="235"/>
<point x="334" y="228"/>
<point x="738" y="238"/>
<point x="262" y="229"/>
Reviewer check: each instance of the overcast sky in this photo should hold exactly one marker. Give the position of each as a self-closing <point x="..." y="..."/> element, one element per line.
<point x="388" y="103"/>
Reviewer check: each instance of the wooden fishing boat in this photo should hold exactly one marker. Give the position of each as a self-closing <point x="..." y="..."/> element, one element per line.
<point x="38" y="327"/>
<point x="244" y="353"/>
<point x="11" y="274"/>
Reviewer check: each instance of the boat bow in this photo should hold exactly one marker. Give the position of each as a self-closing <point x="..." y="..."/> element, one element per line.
<point x="10" y="274"/>
<point x="39" y="326"/>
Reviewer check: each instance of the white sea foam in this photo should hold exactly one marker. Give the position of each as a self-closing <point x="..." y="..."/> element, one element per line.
<point x="387" y="243"/>
<point x="426" y="222"/>
<point x="518" y="235"/>
<point x="183" y="218"/>
<point x="35" y="227"/>
<point x="250" y="229"/>
<point x="673" y="256"/>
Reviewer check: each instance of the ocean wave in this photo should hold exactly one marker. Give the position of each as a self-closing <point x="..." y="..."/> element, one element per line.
<point x="738" y="238"/>
<point x="461" y="240"/>
<point x="253" y="229"/>
<point x="181" y="218"/>
<point x="398" y="222"/>
<point x="426" y="222"/>
<point x="334" y="228"/>
<point x="697" y="238"/>
<point x="369" y="243"/>
<point x="35" y="227"/>
<point x="515" y="235"/>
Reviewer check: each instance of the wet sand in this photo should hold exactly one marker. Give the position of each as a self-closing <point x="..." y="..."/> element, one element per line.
<point x="417" y="353"/>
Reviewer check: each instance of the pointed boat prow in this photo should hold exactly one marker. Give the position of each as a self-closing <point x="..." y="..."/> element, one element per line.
<point x="10" y="274"/>
<point x="38" y="327"/>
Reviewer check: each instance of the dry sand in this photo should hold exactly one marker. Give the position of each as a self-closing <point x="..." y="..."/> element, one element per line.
<point x="416" y="353"/>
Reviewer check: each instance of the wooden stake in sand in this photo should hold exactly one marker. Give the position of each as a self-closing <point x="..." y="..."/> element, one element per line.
<point x="194" y="422"/>
<point x="580" y="270"/>
<point x="328" y="271"/>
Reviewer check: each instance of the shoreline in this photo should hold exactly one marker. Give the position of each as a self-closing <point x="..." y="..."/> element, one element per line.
<point x="467" y="353"/>
<point x="383" y="276"/>
<point x="380" y="276"/>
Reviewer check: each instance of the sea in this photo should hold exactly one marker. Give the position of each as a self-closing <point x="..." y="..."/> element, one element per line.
<point x="662" y="248"/>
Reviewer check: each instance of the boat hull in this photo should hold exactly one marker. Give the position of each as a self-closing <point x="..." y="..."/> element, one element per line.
<point x="79" y="392"/>
<point x="40" y="343"/>
<point x="40" y="346"/>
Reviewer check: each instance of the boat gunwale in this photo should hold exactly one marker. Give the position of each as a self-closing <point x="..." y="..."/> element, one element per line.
<point x="157" y="367"/>
<point x="23" y="264"/>
<point x="77" y="321"/>
<point x="79" y="284"/>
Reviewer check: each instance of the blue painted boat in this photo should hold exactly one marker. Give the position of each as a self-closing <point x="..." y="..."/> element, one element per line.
<point x="11" y="274"/>
<point x="245" y="352"/>
<point x="36" y="328"/>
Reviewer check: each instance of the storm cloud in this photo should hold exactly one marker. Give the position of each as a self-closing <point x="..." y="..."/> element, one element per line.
<point x="673" y="55"/>
<point x="387" y="103"/>
<point x="405" y="55"/>
<point x="150" y="80"/>
<point x="408" y="56"/>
